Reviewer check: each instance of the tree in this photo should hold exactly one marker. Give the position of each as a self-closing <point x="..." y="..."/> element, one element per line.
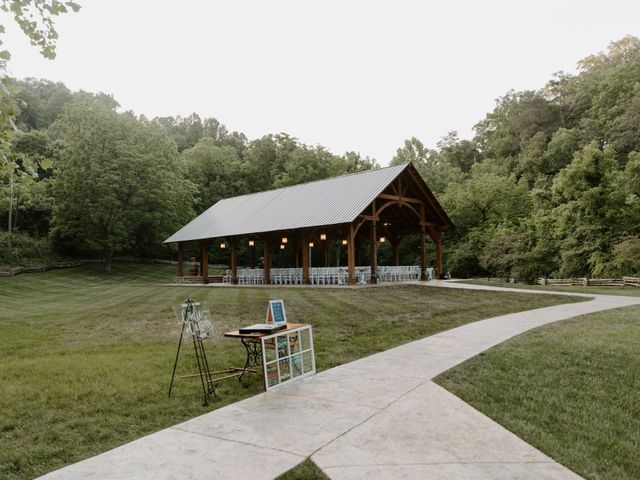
<point x="591" y="210"/>
<point x="429" y="163"/>
<point x="35" y="18"/>
<point x="459" y="153"/>
<point x="488" y="197"/>
<point x="217" y="172"/>
<point x="116" y="186"/>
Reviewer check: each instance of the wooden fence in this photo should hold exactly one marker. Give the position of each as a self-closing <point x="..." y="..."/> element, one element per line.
<point x="602" y="282"/>
<point x="75" y="263"/>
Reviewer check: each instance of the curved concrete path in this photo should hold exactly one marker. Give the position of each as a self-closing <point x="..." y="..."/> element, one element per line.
<point x="380" y="417"/>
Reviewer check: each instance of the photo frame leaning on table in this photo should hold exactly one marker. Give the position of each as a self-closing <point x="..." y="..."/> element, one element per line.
<point x="288" y="356"/>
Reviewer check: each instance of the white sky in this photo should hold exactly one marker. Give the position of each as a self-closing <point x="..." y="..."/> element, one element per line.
<point x="357" y="75"/>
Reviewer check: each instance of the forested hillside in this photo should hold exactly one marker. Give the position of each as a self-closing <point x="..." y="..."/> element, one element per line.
<point x="549" y="185"/>
<point x="90" y="181"/>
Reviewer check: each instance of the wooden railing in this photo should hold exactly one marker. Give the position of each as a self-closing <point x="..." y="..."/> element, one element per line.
<point x="583" y="281"/>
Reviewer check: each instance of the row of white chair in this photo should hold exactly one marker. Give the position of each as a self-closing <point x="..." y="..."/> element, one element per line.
<point x="327" y="275"/>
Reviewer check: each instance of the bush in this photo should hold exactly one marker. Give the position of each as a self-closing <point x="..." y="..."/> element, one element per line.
<point x="20" y="249"/>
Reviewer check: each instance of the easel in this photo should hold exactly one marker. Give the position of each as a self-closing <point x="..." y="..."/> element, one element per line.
<point x="198" y="324"/>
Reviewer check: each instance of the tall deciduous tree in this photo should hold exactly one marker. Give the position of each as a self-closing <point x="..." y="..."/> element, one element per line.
<point x="116" y="182"/>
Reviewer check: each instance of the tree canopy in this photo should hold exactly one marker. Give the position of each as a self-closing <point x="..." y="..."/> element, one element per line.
<point x="548" y="185"/>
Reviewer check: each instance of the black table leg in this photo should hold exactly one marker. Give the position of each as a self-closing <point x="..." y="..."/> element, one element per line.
<point x="254" y="354"/>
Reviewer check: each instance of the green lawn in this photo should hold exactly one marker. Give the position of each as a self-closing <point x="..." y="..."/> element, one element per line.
<point x="628" y="290"/>
<point x="307" y="470"/>
<point x="86" y="357"/>
<point x="571" y="389"/>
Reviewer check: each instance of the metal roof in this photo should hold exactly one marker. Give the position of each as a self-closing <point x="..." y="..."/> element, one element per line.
<point x="323" y="202"/>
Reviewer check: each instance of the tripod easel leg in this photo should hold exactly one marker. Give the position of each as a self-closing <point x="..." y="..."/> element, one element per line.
<point x="175" y="364"/>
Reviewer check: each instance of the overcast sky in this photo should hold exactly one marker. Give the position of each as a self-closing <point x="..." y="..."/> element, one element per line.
<point x="356" y="75"/>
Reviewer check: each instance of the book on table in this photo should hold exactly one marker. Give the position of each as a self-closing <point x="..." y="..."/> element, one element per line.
<point x="262" y="328"/>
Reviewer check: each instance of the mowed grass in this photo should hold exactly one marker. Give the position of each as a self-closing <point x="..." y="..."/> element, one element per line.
<point x="86" y="357"/>
<point x="307" y="470"/>
<point x="570" y="389"/>
<point x="595" y="290"/>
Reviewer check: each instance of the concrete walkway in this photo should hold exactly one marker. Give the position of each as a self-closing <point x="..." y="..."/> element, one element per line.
<point x="380" y="417"/>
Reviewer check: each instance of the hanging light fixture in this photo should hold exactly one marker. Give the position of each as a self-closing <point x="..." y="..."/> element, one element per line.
<point x="223" y="245"/>
<point x="285" y="240"/>
<point x="383" y="239"/>
<point x="323" y="236"/>
<point x="344" y="242"/>
<point x="310" y="244"/>
<point x="282" y="247"/>
<point x="252" y="243"/>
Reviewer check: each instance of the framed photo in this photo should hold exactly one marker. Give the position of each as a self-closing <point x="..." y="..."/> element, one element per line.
<point x="288" y="356"/>
<point x="276" y="313"/>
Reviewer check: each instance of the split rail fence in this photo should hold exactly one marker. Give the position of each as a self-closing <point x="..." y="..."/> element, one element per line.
<point x="602" y="282"/>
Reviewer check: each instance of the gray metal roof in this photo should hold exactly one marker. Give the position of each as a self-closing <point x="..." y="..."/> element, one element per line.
<point x="323" y="202"/>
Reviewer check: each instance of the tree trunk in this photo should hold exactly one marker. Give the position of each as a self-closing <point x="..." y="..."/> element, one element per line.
<point x="108" y="256"/>
<point x="15" y="220"/>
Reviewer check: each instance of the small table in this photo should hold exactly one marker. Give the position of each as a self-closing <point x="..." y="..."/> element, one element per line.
<point x="252" y="344"/>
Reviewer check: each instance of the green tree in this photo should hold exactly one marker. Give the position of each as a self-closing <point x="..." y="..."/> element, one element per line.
<point x="116" y="186"/>
<point x="488" y="197"/>
<point x="217" y="172"/>
<point x="430" y="164"/>
<point x="591" y="210"/>
<point x="35" y="18"/>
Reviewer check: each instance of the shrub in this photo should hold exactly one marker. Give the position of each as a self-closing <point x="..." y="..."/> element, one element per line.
<point x="20" y="249"/>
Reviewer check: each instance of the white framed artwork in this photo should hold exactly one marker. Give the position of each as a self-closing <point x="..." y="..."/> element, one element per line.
<point x="288" y="356"/>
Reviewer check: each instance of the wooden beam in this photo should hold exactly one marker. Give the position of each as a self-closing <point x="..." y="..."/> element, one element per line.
<point x="430" y="197"/>
<point x="437" y="238"/>
<point x="266" y="243"/>
<point x="204" y="260"/>
<point x="234" y="261"/>
<point x="253" y="255"/>
<point x="351" y="254"/>
<point x="305" y="261"/>
<point x="325" y="253"/>
<point x="373" y="240"/>
<point x="374" y="218"/>
<point x="399" y="198"/>
<point x="423" y="254"/>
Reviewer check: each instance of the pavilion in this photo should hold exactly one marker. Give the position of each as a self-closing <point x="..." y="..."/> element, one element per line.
<point x="356" y="209"/>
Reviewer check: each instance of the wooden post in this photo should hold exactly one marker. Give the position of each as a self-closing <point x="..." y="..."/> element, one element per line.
<point x="373" y="240"/>
<point x="305" y="261"/>
<point x="181" y="259"/>
<point x="437" y="238"/>
<point x="204" y="260"/>
<point x="267" y="261"/>
<point x="253" y="255"/>
<point x="423" y="253"/>
<point x="234" y="261"/>
<point x="351" y="255"/>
